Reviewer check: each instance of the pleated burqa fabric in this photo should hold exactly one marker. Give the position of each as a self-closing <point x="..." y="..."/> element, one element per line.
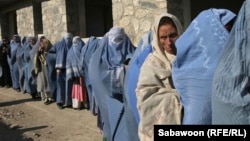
<point x="231" y="93"/>
<point x="51" y="63"/>
<point x="131" y="78"/>
<point x="106" y="74"/>
<point x="198" y="51"/>
<point x="86" y="54"/>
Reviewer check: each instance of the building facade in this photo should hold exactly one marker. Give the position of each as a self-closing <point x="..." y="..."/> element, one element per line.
<point x="85" y="18"/>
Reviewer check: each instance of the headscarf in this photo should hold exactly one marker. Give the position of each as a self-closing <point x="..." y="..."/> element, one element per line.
<point x="230" y="87"/>
<point x="157" y="100"/>
<point x="13" y="47"/>
<point x="35" y="47"/>
<point x="40" y="57"/>
<point x="198" y="50"/>
<point x="27" y="48"/>
<point x="73" y="58"/>
<point x="62" y="47"/>
<point x="68" y="37"/>
<point x="159" y="51"/>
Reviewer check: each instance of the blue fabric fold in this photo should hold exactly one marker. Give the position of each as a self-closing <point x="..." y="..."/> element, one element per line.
<point x="231" y="84"/>
<point x="198" y="51"/>
<point x="106" y="74"/>
<point x="131" y="78"/>
<point x="86" y="54"/>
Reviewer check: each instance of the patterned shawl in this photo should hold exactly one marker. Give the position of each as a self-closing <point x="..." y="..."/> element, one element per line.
<point x="40" y="57"/>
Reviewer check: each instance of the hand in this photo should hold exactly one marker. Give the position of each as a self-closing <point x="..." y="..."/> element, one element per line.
<point x="58" y="71"/>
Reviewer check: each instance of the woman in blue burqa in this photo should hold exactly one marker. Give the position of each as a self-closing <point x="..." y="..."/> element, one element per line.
<point x="195" y="62"/>
<point x="106" y="73"/>
<point x="30" y="80"/>
<point x="25" y="64"/>
<point x="230" y="91"/>
<point x="61" y="48"/>
<point x="51" y="63"/>
<point x="14" y="45"/>
<point x="131" y="78"/>
<point x="75" y="88"/>
<point x="86" y="54"/>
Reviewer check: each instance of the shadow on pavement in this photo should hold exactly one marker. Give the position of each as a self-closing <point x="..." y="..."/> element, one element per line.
<point x="3" y="104"/>
<point x="15" y="134"/>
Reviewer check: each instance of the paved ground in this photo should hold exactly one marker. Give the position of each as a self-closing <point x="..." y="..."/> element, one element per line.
<point x="24" y="119"/>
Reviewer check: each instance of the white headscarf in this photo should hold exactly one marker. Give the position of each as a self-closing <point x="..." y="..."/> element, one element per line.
<point x="158" y="49"/>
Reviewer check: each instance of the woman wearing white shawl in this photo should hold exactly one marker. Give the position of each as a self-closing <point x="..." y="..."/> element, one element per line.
<point x="41" y="71"/>
<point x="157" y="100"/>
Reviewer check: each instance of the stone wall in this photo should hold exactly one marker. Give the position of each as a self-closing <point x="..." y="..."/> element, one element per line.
<point x="137" y="16"/>
<point x="57" y="17"/>
<point x="25" y="21"/>
<point x="54" y="19"/>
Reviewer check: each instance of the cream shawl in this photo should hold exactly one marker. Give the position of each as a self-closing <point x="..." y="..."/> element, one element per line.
<point x="157" y="101"/>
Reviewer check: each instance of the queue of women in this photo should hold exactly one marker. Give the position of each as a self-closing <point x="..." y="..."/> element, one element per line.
<point x="199" y="76"/>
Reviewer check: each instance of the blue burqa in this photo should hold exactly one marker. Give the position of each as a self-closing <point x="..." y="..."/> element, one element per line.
<point x="231" y="84"/>
<point x="31" y="80"/>
<point x="61" y="48"/>
<point x="86" y="54"/>
<point x="131" y="78"/>
<point x="14" y="45"/>
<point x="72" y="66"/>
<point x="26" y="60"/>
<point x="106" y="72"/>
<point x="198" y="50"/>
<point x="51" y="63"/>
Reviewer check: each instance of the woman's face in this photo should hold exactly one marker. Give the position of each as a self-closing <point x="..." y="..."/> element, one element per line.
<point x="42" y="43"/>
<point x="167" y="36"/>
<point x="32" y="42"/>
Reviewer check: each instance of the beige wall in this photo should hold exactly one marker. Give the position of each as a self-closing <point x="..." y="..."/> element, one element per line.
<point x="54" y="19"/>
<point x="25" y="22"/>
<point x="137" y="16"/>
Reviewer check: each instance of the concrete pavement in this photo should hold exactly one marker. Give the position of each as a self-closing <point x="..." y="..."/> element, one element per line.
<point x="67" y="124"/>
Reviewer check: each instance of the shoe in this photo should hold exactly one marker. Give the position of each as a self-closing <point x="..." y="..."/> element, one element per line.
<point x="68" y="106"/>
<point x="33" y="96"/>
<point x="18" y="90"/>
<point x="51" y="100"/>
<point x="47" y="102"/>
<point x="60" y="106"/>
